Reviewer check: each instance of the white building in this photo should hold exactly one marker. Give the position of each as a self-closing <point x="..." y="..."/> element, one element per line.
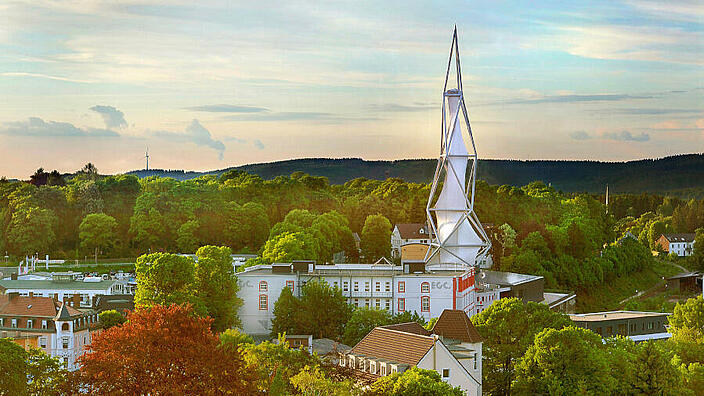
<point x="63" y="287"/>
<point x="453" y="348"/>
<point x="56" y="328"/>
<point x="404" y="234"/>
<point x="679" y="244"/>
<point x="382" y="286"/>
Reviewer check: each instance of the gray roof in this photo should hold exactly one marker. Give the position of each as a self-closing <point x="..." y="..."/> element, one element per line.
<point x="505" y="278"/>
<point x="49" y="285"/>
<point x="679" y="237"/>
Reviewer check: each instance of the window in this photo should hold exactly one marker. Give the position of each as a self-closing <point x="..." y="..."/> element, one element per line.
<point x="263" y="302"/>
<point x="334" y="285"/>
<point x="387" y="286"/>
<point x="263" y="286"/>
<point x="30" y="323"/>
<point x="2" y="322"/>
<point x="388" y="304"/>
<point x="475" y="361"/>
<point x="289" y="284"/>
<point x="64" y="342"/>
<point x="366" y="286"/>
<point x="366" y="302"/>
<point x="383" y="369"/>
<point x="650" y="326"/>
<point x="401" y="304"/>
<point x="425" y="304"/>
<point x="64" y="327"/>
<point x="356" y="302"/>
<point x="14" y="323"/>
<point x="377" y="286"/>
<point x="445" y="373"/>
<point x="356" y="286"/>
<point x="402" y="287"/>
<point x="378" y="303"/>
<point x="42" y="342"/>
<point x="345" y="286"/>
<point x="372" y="368"/>
<point x="425" y="287"/>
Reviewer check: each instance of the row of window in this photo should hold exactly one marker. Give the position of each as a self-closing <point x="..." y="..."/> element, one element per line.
<point x="424" y="287"/>
<point x="401" y="303"/>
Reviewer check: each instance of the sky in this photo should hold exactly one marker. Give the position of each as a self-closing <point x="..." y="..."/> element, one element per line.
<point x="212" y="84"/>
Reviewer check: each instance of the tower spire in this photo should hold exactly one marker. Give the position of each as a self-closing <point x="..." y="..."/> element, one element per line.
<point x="147" y="157"/>
<point x="459" y="239"/>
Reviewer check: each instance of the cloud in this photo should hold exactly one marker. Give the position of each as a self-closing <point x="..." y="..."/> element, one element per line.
<point x="626" y="136"/>
<point x="197" y="134"/>
<point x="225" y="108"/>
<point x="646" y="111"/>
<point x="580" y="135"/>
<point x="112" y="117"/>
<point x="571" y="99"/>
<point x="35" y="126"/>
<point x="46" y="76"/>
<point x="299" y="116"/>
<point x="258" y="144"/>
<point x="395" y="107"/>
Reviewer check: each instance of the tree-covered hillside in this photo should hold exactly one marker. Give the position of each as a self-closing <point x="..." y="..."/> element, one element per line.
<point x="680" y="175"/>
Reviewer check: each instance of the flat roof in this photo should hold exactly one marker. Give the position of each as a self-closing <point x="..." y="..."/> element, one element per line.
<point x="614" y="315"/>
<point x="50" y="285"/>
<point x="505" y="278"/>
<point x="654" y="336"/>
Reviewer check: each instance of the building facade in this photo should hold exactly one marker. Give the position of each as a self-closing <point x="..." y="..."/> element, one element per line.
<point x="680" y="244"/>
<point x="453" y="349"/>
<point x="381" y="286"/>
<point x="639" y="326"/>
<point x="56" y="328"/>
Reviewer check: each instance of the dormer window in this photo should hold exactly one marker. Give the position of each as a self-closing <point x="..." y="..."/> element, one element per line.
<point x="421" y="231"/>
<point x="30" y="323"/>
<point x="14" y="323"/>
<point x="44" y="325"/>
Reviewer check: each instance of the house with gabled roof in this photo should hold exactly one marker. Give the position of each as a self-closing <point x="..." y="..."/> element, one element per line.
<point x="453" y="348"/>
<point x="56" y="328"/>
<point x="680" y="244"/>
<point x="404" y="234"/>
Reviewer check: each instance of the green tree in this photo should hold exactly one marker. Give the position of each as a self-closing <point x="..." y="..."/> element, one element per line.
<point x="362" y="321"/>
<point x="321" y="311"/>
<point x="568" y="361"/>
<point x="508" y="327"/>
<point x="97" y="232"/>
<point x="313" y="382"/>
<point x="233" y="339"/>
<point x="655" y="229"/>
<point x="31" y="230"/>
<point x="29" y="372"/>
<point x="110" y="319"/>
<point x="376" y="237"/>
<point x="216" y="286"/>
<point x="288" y="246"/>
<point x="687" y="328"/>
<point x="286" y="314"/>
<point x="187" y="239"/>
<point x="165" y="279"/>
<point x="274" y="364"/>
<point x="414" y="382"/>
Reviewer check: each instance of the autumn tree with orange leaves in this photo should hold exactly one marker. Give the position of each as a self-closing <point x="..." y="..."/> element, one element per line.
<point x="162" y="351"/>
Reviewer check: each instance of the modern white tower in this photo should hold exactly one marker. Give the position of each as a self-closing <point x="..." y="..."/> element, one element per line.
<point x="459" y="240"/>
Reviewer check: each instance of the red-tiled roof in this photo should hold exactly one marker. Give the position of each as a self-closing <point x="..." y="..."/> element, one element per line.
<point x="413" y="231"/>
<point x="393" y="345"/>
<point x="409" y="327"/>
<point x="27" y="306"/>
<point x="455" y="324"/>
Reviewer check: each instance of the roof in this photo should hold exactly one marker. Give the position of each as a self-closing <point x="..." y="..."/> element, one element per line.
<point x="455" y="324"/>
<point x="34" y="306"/>
<point x="505" y="278"/>
<point x="614" y="315"/>
<point x="47" y="284"/>
<point x="679" y="237"/>
<point x="27" y="306"/>
<point x="393" y="345"/>
<point x="686" y="275"/>
<point x="325" y="346"/>
<point x="409" y="327"/>
<point x="413" y="231"/>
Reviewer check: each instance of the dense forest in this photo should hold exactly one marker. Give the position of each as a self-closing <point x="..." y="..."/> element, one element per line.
<point x="679" y="175"/>
<point x="568" y="238"/>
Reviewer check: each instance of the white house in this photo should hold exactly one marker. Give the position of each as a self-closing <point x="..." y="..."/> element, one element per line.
<point x="453" y="348"/>
<point x="680" y="244"/>
<point x="403" y="234"/>
<point x="58" y="329"/>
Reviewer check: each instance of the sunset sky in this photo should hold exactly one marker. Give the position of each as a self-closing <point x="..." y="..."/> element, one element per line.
<point x="211" y="84"/>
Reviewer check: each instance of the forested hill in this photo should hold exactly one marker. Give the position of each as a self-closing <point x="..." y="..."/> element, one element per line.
<point x="670" y="174"/>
